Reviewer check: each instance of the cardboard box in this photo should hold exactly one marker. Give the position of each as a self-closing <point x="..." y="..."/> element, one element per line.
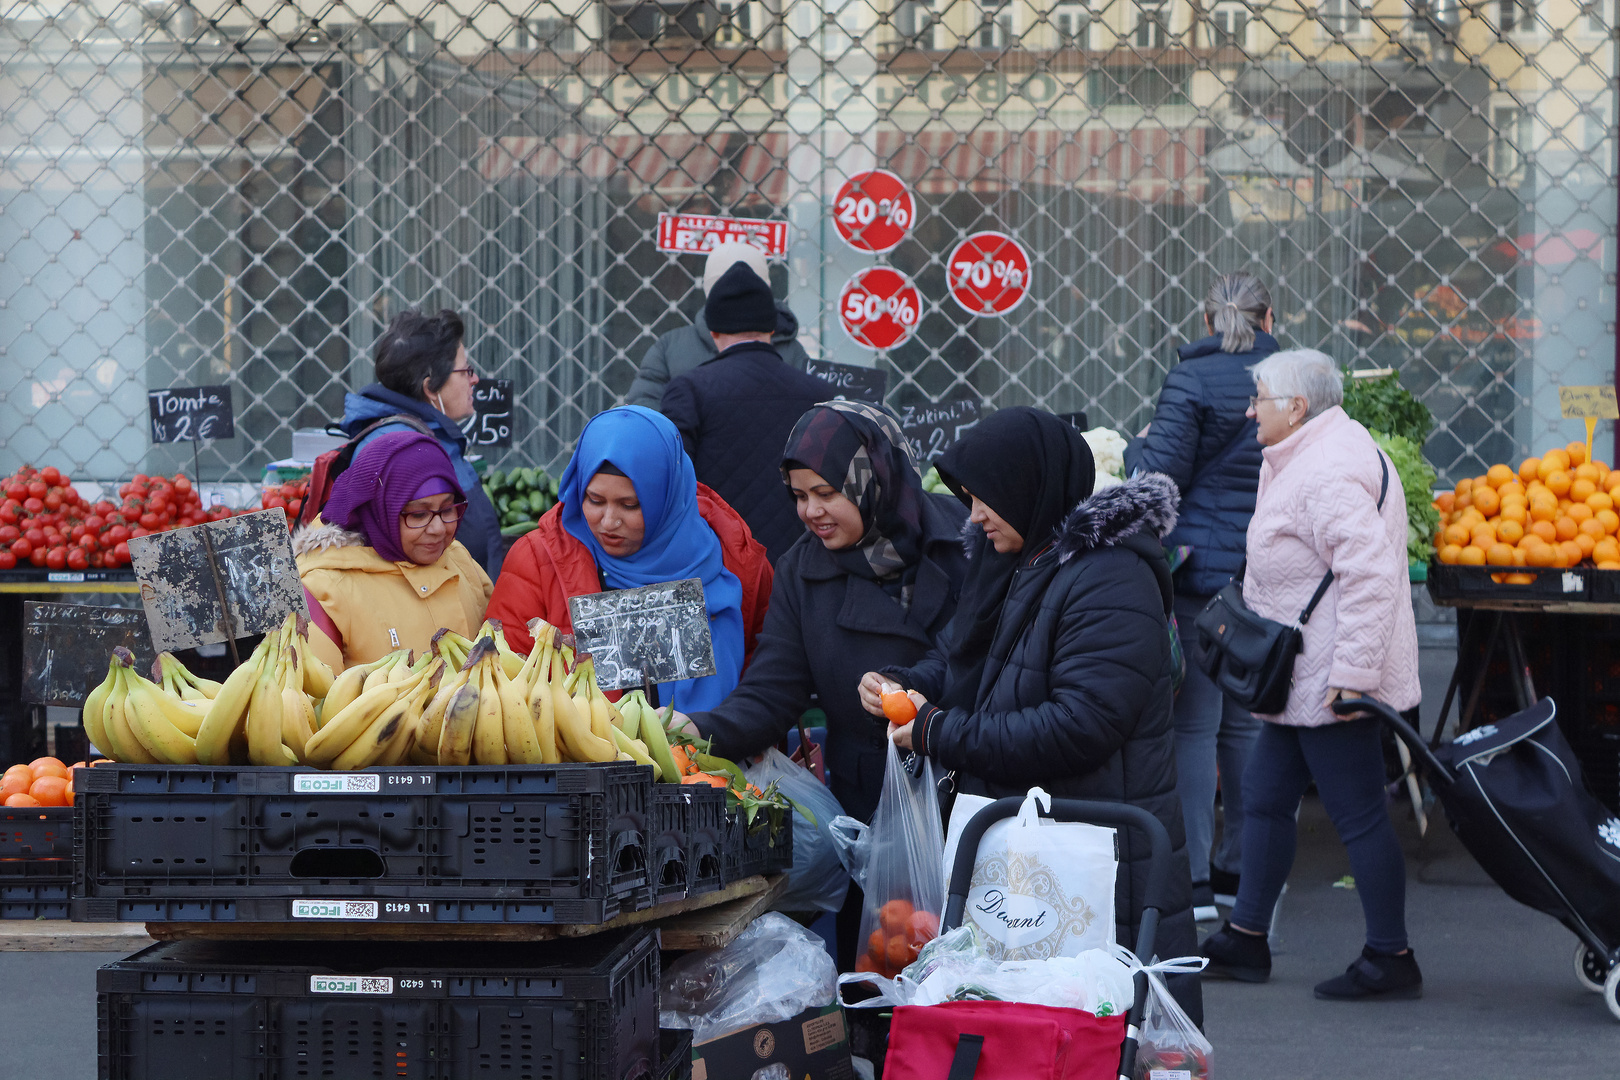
<point x="812" y="1046"/>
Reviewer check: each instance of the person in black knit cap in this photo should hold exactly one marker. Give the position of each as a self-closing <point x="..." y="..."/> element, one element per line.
<point x="735" y="412"/>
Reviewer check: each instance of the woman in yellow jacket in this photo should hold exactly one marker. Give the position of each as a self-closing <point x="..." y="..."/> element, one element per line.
<point x="381" y="566"/>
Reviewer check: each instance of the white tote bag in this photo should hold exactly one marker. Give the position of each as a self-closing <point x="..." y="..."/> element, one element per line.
<point x="1040" y="887"/>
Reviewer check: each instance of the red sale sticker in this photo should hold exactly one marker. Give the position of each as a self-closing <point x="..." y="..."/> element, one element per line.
<point x="698" y="234"/>
<point x="879" y="307"/>
<point x="874" y="211"/>
<point x="989" y="273"/>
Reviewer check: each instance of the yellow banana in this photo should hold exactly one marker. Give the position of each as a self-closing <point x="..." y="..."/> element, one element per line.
<point x="489" y="736"/>
<point x="633" y="747"/>
<point x="398" y="747"/>
<point x="511" y="662"/>
<point x="391" y="727"/>
<point x="264" y="710"/>
<point x="629" y="710"/>
<point x="522" y="745"/>
<point x="185" y="715"/>
<point x="541" y="712"/>
<point x="403" y="668"/>
<point x="146" y="719"/>
<point x="378" y="671"/>
<point x="345" y="726"/>
<point x="95" y="706"/>
<point x="460" y="722"/>
<point x="573" y="729"/>
<point x="345" y="688"/>
<point x="183" y="678"/>
<point x="317" y="673"/>
<point x="432" y="722"/>
<point x="126" y="745"/>
<point x="227" y="711"/>
<point x="297" y="720"/>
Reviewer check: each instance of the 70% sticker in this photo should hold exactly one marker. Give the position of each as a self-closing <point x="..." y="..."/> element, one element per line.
<point x="979" y="274"/>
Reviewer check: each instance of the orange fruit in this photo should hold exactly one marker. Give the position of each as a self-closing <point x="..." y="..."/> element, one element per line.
<point x="1603" y="472"/>
<point x="1499" y="555"/>
<point x="894" y="914"/>
<point x="1608" y="565"/>
<point x="1518" y="560"/>
<point x="48" y="766"/>
<point x="1465" y="500"/>
<point x="1593" y="528"/>
<point x="1446" y="502"/>
<point x="1611" y="481"/>
<point x="1456" y="535"/>
<point x="1559" y="458"/>
<point x="22" y="798"/>
<point x="1497" y="475"/>
<point x="1581" y="490"/>
<point x="1520" y="579"/>
<point x="1544" y="529"/>
<point x="1586" y="544"/>
<point x="1513" y="512"/>
<point x="1509" y="531"/>
<point x="1578" y="512"/>
<point x="1471" y="556"/>
<point x="1512" y="487"/>
<point x="1566" y="527"/>
<point x="50" y="790"/>
<point x="898" y="707"/>
<point x="21" y="770"/>
<point x="1465" y="485"/>
<point x="1576" y="452"/>
<point x="15" y="784"/>
<point x="1600" y="500"/>
<point x="1529" y="469"/>
<point x="1540" y="555"/>
<point x="1572" y="552"/>
<point x="1558" y="483"/>
<point x="901" y="952"/>
<point x="1587" y="471"/>
<point x="1483" y="535"/>
<point x="1606" y="550"/>
<point x="1450" y="553"/>
<point x="876" y="942"/>
<point x="1487" y="501"/>
<point x="1609" y="519"/>
<point x="1543" y="506"/>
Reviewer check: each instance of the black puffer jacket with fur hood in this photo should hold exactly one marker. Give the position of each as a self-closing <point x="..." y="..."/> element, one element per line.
<point x="1076" y="694"/>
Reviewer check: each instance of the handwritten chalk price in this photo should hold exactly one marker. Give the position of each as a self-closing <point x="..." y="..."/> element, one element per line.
<point x="188" y="413"/>
<point x="1588" y="402"/>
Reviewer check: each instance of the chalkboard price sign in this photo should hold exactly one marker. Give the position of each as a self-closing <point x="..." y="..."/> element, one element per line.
<point x="659" y="632"/>
<point x="933" y="428"/>
<point x="66" y="648"/>
<point x="188" y="413"/>
<point x="183" y="574"/>
<point x="491" y="423"/>
<point x="851" y="381"/>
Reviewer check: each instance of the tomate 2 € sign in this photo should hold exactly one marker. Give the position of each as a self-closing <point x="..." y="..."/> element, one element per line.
<point x="879" y="307"/>
<point x="989" y="273"/>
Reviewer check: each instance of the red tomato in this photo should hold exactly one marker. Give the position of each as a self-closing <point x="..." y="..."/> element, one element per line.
<point x="293" y="508"/>
<point x="22" y="548"/>
<point x="271" y="502"/>
<point x="50" y="475"/>
<point x="157" y="504"/>
<point x="35" y="536"/>
<point x="116" y="535"/>
<point x="88" y="543"/>
<point x="8" y="561"/>
<point x="16" y="490"/>
<point x="53" y="501"/>
<point x="181" y="484"/>
<point x="56" y="558"/>
<point x="140" y="531"/>
<point x="8" y="533"/>
<point x="149" y="521"/>
<point x="95" y="523"/>
<point x="77" y="531"/>
<point x="103" y="507"/>
<point x="121" y="553"/>
<point x="36" y="557"/>
<point x="38" y="489"/>
<point x="11" y="512"/>
<point x="78" y="559"/>
<point x="33" y="505"/>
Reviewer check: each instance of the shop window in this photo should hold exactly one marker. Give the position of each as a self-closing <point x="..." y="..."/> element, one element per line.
<point x="1341" y="18"/>
<point x="1152" y="27"/>
<point x="1072" y="22"/>
<point x="995" y="27"/>
<point x="1229" y="27"/>
<point x="555" y="35"/>
<point x="1510" y="143"/>
<point x="917" y="22"/>
<point x="1515" y="16"/>
<point x="732" y="23"/>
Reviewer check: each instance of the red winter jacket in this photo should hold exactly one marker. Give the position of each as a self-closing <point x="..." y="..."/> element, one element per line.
<point x="549" y="565"/>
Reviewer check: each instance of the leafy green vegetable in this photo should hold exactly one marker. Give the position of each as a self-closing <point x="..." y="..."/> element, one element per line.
<point x="1385" y="405"/>
<point x="1417" y="480"/>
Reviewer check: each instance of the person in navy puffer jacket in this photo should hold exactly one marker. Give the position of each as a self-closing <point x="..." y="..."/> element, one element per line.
<point x="1202" y="440"/>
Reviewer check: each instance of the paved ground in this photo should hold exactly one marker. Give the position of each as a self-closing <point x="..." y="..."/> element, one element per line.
<point x="1501" y="1001"/>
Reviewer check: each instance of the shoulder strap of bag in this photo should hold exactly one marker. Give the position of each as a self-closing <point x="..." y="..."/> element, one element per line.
<point x="1327" y="579"/>
<point x="966" y="1059"/>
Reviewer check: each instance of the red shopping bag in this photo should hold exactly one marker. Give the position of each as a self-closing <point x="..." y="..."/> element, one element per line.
<point x="1002" y="1040"/>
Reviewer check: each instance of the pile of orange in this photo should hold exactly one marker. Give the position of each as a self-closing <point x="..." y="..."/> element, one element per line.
<point x="901" y="932"/>
<point x="1555" y="510"/>
<point x="42" y="782"/>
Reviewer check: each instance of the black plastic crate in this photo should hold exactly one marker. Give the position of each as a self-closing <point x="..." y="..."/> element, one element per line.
<point x="1477" y="583"/>
<point x="40" y="832"/>
<point x="534" y="843"/>
<point x="752" y="849"/>
<point x="1605" y="587"/>
<point x="35" y="888"/>
<point x="675" y="1047"/>
<point x="583" y="1009"/>
<point x="686" y="842"/>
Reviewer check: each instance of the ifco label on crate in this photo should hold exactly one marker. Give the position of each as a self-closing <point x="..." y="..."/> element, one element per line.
<point x="351" y="984"/>
<point x="334" y="909"/>
<point x="336" y="784"/>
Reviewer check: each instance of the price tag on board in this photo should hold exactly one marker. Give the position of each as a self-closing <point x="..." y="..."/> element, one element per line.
<point x="879" y="307"/>
<point x="189" y="413"/>
<point x="491" y="422"/>
<point x="1588" y="402"/>
<point x="658" y="632"/>
<point x="989" y="273"/>
<point x="873" y="211"/>
<point x="851" y="381"/>
<point x="217" y="581"/>
<point x="66" y="648"/>
<point x="933" y="428"/>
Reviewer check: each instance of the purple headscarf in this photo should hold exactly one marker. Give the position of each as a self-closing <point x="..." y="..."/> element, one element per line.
<point x="388" y="472"/>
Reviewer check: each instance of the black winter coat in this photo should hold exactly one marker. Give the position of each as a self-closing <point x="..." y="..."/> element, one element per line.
<point x="1201" y="439"/>
<point x="735" y="414"/>
<point x="684" y="348"/>
<point x="825" y="629"/>
<point x="1076" y="694"/>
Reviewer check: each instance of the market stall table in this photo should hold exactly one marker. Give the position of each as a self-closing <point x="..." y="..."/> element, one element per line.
<point x="59" y="935"/>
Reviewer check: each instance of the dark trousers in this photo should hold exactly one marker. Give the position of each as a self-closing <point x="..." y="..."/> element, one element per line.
<point x="1347" y="762"/>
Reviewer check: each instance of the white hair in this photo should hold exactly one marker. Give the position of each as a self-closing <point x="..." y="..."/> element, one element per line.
<point x="1302" y="373"/>
<point x="727" y="254"/>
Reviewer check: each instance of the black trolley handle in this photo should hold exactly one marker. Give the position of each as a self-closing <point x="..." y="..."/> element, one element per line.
<point x="1439" y="774"/>
<point x="1091" y="813"/>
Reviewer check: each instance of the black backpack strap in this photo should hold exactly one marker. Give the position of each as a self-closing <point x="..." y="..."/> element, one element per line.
<point x="1327" y="579"/>
<point x="966" y="1059"/>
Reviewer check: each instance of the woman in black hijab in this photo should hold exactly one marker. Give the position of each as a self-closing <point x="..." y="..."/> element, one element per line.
<point x="1057" y="668"/>
<point x="873" y="582"/>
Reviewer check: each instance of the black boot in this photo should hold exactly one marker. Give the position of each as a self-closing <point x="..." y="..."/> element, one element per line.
<point x="1236" y="955"/>
<point x="1376" y="975"/>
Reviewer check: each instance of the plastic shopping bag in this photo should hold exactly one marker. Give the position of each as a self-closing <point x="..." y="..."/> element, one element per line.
<point x="905" y="894"/>
<point x="1040" y="887"/>
<point x="775" y="970"/>
<point x="817" y="881"/>
<point x="1170" y="1046"/>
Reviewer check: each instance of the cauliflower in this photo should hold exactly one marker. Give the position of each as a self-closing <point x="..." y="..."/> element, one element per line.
<point x="1108" y="447"/>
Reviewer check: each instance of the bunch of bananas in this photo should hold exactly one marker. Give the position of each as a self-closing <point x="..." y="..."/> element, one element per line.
<point x="263" y="713"/>
<point x="131" y="718"/>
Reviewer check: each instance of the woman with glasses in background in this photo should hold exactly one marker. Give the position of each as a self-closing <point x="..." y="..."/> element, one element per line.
<point x="425" y="383"/>
<point x="382" y="567"/>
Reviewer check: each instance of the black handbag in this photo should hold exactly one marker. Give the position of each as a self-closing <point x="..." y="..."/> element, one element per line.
<point x="1249" y="657"/>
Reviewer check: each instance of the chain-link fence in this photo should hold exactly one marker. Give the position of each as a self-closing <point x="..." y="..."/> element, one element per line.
<point x="243" y="192"/>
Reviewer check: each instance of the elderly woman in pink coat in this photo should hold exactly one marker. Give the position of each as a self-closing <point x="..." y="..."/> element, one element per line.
<point x="1318" y="510"/>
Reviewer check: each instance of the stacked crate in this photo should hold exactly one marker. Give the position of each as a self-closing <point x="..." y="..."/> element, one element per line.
<point x="36" y="862"/>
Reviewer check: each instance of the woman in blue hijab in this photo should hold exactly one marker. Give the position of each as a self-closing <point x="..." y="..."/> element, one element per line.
<point x="630" y="512"/>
